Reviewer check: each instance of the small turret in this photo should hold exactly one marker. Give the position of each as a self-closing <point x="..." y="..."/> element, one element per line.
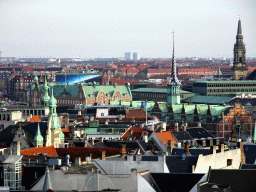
<point x="39" y="140"/>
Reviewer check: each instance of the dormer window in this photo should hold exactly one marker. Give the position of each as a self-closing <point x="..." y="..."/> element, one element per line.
<point x="125" y="94"/>
<point x="91" y="95"/>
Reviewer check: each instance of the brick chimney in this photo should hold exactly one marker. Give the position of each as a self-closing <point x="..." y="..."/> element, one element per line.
<point x="170" y="146"/>
<point x="240" y="145"/>
<point x="102" y="155"/>
<point x="123" y="150"/>
<point x="187" y="148"/>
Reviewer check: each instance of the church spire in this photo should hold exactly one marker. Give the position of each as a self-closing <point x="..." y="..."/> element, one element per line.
<point x="174" y="79"/>
<point x="239" y="28"/>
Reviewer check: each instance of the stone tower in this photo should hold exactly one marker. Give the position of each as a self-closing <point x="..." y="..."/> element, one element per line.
<point x="239" y="66"/>
<point x="173" y="86"/>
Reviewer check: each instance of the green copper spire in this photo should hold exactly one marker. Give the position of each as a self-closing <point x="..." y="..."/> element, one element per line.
<point x="62" y="136"/>
<point x="55" y="122"/>
<point x="38" y="137"/>
<point x="36" y="79"/>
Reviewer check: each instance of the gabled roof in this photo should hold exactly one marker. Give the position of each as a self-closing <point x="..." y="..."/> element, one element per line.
<point x="50" y="151"/>
<point x="175" y="163"/>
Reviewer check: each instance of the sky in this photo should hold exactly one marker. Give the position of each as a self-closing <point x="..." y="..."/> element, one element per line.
<point x="109" y="28"/>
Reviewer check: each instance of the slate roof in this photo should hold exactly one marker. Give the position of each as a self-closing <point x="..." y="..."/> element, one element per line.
<point x="243" y="101"/>
<point x="250" y="153"/>
<point x="175" y="182"/>
<point x="175" y="163"/>
<point x="198" y="133"/>
<point x="210" y="100"/>
<point x="193" y="151"/>
<point x="12" y="159"/>
<point x="237" y="179"/>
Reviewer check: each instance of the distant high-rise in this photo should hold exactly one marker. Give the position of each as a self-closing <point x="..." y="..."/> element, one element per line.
<point x="136" y="56"/>
<point x="128" y="55"/>
<point x="239" y="66"/>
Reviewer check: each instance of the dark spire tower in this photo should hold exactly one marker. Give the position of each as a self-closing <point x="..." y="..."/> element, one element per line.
<point x="173" y="86"/>
<point x="239" y="66"/>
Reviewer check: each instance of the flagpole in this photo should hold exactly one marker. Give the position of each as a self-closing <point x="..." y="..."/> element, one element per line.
<point x="146" y="113"/>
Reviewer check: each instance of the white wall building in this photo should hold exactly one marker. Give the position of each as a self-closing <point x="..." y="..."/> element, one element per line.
<point x="136" y="56"/>
<point x="128" y="55"/>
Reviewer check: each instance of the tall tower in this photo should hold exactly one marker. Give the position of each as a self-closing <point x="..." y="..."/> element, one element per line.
<point x="239" y="66"/>
<point x="173" y="86"/>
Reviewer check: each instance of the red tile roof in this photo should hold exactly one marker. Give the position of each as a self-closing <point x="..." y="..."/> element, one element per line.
<point x="35" y="119"/>
<point x="65" y="130"/>
<point x="35" y="151"/>
<point x="136" y="113"/>
<point x="165" y="136"/>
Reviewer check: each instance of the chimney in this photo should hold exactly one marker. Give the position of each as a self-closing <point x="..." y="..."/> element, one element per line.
<point x="170" y="146"/>
<point x="16" y="148"/>
<point x="185" y="127"/>
<point x="187" y="148"/>
<point x="120" y="117"/>
<point x="85" y="143"/>
<point x="176" y="127"/>
<point x="240" y="146"/>
<point x="88" y="158"/>
<point x="79" y="113"/>
<point x="131" y="132"/>
<point x="213" y="149"/>
<point x="67" y="121"/>
<point x="123" y="150"/>
<point x="103" y="155"/>
<point x="91" y="118"/>
<point x="221" y="148"/>
<point x="163" y="126"/>
<point x="78" y="161"/>
<point x="199" y="124"/>
<point x="92" y="141"/>
<point x="145" y="138"/>
<point x="101" y="139"/>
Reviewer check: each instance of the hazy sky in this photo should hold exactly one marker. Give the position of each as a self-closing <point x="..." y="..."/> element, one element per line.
<point x="109" y="28"/>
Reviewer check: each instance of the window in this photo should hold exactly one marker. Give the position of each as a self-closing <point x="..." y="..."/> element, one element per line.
<point x="229" y="162"/>
<point x="110" y="130"/>
<point x="102" y="114"/>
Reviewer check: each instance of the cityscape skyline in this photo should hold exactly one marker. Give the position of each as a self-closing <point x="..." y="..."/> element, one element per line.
<point x="59" y="29"/>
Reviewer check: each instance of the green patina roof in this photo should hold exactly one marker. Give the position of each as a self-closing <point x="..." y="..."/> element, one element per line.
<point x="229" y="81"/>
<point x="52" y="101"/>
<point x="207" y="99"/>
<point x="156" y="90"/>
<point x="38" y="137"/>
<point x="72" y="89"/>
